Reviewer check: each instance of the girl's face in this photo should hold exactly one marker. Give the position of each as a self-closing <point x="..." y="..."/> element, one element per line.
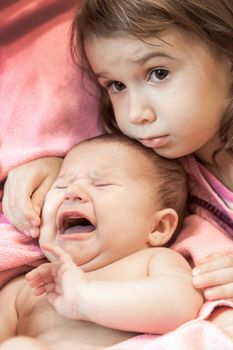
<point x="169" y="92"/>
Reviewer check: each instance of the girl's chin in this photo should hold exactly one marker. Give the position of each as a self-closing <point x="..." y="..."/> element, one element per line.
<point x="169" y="153"/>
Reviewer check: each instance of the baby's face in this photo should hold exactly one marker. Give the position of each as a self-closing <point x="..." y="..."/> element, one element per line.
<point x="102" y="206"/>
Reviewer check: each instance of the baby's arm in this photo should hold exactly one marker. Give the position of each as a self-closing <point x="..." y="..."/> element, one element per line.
<point x="157" y="303"/>
<point x="25" y="190"/>
<point x="9" y="312"/>
<point x="23" y="343"/>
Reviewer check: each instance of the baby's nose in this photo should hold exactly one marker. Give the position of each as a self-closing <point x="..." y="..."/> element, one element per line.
<point x="76" y="192"/>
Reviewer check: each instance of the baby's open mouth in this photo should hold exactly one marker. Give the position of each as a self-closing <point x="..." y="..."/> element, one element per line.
<point x="74" y="223"/>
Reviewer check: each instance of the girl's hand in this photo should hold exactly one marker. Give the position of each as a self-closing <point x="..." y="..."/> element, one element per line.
<point x="25" y="190"/>
<point x="214" y="275"/>
<point x="62" y="281"/>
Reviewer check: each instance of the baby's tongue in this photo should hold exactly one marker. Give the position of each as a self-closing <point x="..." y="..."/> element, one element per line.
<point x="80" y="229"/>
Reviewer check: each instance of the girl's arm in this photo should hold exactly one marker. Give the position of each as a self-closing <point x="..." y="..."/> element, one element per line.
<point x="156" y="303"/>
<point x="25" y="190"/>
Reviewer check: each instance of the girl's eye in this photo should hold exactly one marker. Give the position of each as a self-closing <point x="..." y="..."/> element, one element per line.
<point x="116" y="86"/>
<point x="158" y="74"/>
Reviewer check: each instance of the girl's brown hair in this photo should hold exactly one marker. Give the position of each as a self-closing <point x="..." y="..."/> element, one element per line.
<point x="209" y="20"/>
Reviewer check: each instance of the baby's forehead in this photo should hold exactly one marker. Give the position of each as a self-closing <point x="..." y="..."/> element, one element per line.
<point x="108" y="151"/>
<point x="106" y="157"/>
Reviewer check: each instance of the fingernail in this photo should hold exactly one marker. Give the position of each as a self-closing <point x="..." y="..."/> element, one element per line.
<point x="195" y="271"/>
<point x="196" y="282"/>
<point x="27" y="233"/>
<point x="34" y="223"/>
<point x="209" y="294"/>
<point x="33" y="233"/>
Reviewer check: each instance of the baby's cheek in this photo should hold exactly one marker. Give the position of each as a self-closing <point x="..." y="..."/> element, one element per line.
<point x="48" y="229"/>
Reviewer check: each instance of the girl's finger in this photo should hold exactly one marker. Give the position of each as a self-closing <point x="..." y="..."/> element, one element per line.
<point x="209" y="258"/>
<point x="219" y="292"/>
<point x="219" y="263"/>
<point x="215" y="278"/>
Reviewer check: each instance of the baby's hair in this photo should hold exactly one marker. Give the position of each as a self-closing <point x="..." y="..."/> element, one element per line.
<point x="167" y="176"/>
<point x="209" y="20"/>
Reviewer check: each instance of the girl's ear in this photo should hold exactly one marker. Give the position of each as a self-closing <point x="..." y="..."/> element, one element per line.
<point x="166" y="221"/>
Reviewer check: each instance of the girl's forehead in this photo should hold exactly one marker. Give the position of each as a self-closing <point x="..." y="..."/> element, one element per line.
<point x="174" y="43"/>
<point x="171" y="37"/>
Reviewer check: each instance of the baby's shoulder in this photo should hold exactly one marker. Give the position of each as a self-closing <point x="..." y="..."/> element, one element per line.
<point x="166" y="260"/>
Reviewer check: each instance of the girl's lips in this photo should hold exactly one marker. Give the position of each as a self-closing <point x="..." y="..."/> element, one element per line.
<point x="155" y="142"/>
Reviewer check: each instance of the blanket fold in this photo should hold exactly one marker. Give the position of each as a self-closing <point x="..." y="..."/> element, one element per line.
<point x="18" y="253"/>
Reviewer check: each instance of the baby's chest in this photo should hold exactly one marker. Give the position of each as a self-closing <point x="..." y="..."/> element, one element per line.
<point x="38" y="317"/>
<point x="41" y="321"/>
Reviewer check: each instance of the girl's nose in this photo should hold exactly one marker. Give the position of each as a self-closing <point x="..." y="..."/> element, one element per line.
<point x="76" y="192"/>
<point x="146" y="116"/>
<point x="140" y="112"/>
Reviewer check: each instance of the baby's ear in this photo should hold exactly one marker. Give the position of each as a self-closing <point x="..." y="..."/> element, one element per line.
<point x="165" y="225"/>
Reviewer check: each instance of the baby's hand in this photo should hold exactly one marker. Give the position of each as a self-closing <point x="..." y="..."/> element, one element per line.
<point x="25" y="190"/>
<point x="62" y="281"/>
<point x="214" y="275"/>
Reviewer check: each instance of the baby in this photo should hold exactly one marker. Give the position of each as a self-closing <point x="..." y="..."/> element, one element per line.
<point x="113" y="207"/>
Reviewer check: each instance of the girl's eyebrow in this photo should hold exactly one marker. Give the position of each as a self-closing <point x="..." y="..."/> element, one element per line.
<point x="146" y="57"/>
<point x="102" y="75"/>
<point x="140" y="60"/>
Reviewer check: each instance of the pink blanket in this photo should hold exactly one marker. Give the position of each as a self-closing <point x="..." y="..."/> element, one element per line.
<point x="198" y="239"/>
<point x="18" y="253"/>
<point x="199" y="335"/>
<point x="46" y="104"/>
